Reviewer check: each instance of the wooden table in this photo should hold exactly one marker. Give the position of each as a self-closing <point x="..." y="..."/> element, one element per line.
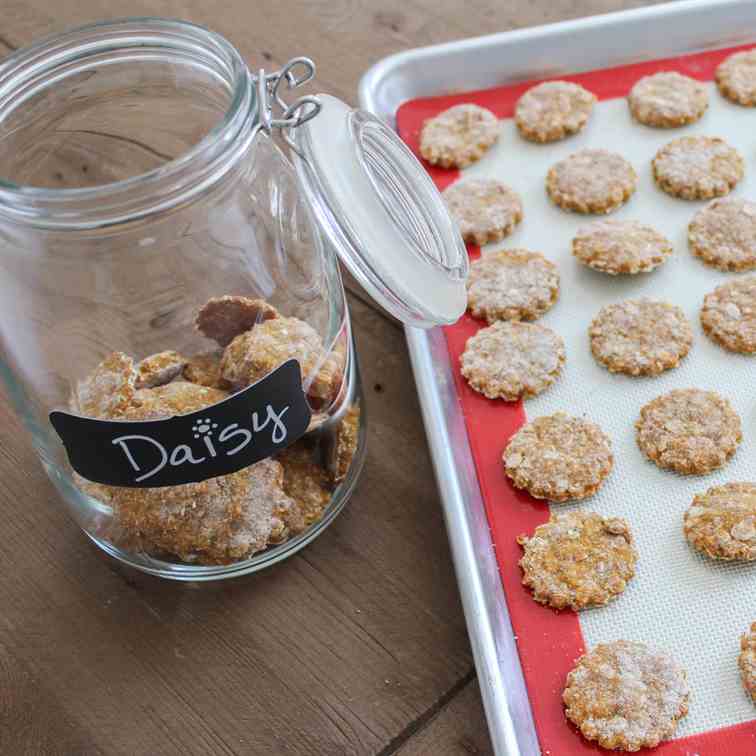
<point x="355" y="646"/>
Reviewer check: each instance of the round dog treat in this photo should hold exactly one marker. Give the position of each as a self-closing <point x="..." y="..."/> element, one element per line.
<point x="509" y="360"/>
<point x="347" y="441"/>
<point x="459" y="136"/>
<point x="513" y="284"/>
<point x="305" y="482"/>
<point x="747" y="662"/>
<point x="485" y="209"/>
<point x="640" y="337"/>
<point x="728" y="315"/>
<point x="723" y="234"/>
<point x="558" y="457"/>
<point x="216" y="521"/>
<point x="223" y="318"/>
<point x="667" y="99"/>
<point x="578" y="560"/>
<point x="697" y="167"/>
<point x="722" y="522"/>
<point x="324" y="387"/>
<point x="256" y="353"/>
<point x="591" y="181"/>
<point x="205" y="369"/>
<point x="620" y="246"/>
<point x="158" y="369"/>
<point x="689" y="431"/>
<point x="175" y="398"/>
<point x="626" y="696"/>
<point x="109" y="390"/>
<point x="736" y="77"/>
<point x="553" y="110"/>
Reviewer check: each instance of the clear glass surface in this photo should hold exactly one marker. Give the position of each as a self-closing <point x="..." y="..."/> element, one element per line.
<point x="378" y="205"/>
<point x="134" y="188"/>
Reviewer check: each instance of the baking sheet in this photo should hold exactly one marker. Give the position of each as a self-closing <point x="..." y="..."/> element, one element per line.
<point x="693" y="607"/>
<point x="684" y="602"/>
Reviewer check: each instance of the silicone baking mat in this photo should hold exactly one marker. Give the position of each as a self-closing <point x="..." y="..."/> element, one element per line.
<point x="692" y="606"/>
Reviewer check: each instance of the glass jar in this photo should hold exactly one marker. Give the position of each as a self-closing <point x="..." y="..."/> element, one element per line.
<point x="174" y="329"/>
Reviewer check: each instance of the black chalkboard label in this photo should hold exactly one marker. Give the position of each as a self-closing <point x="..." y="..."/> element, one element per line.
<point x="217" y="440"/>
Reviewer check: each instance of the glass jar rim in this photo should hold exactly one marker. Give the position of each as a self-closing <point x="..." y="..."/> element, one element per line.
<point x="173" y="182"/>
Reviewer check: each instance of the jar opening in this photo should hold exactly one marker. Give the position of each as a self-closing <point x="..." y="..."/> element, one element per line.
<point x="113" y="121"/>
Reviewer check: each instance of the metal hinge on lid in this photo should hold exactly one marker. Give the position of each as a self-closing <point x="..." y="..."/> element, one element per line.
<point x="297" y="72"/>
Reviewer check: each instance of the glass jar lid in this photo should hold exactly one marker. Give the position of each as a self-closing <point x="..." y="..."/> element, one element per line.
<point x="379" y="208"/>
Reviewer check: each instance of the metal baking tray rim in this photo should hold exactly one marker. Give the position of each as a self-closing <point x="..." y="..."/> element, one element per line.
<point x="604" y="41"/>
<point x="406" y="75"/>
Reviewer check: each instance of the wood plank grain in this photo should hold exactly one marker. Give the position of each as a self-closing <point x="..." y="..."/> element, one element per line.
<point x="457" y="730"/>
<point x="22" y="697"/>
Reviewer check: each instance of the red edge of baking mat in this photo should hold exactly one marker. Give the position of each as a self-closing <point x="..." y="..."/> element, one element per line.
<point x="548" y="642"/>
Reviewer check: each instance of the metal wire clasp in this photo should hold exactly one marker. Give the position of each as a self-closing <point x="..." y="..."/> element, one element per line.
<point x="295" y="73"/>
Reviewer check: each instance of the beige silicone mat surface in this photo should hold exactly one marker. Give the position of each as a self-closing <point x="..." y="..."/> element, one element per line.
<point x="692" y="606"/>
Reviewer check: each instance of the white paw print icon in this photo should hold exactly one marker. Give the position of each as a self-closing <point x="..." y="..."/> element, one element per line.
<point x="204" y="427"/>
